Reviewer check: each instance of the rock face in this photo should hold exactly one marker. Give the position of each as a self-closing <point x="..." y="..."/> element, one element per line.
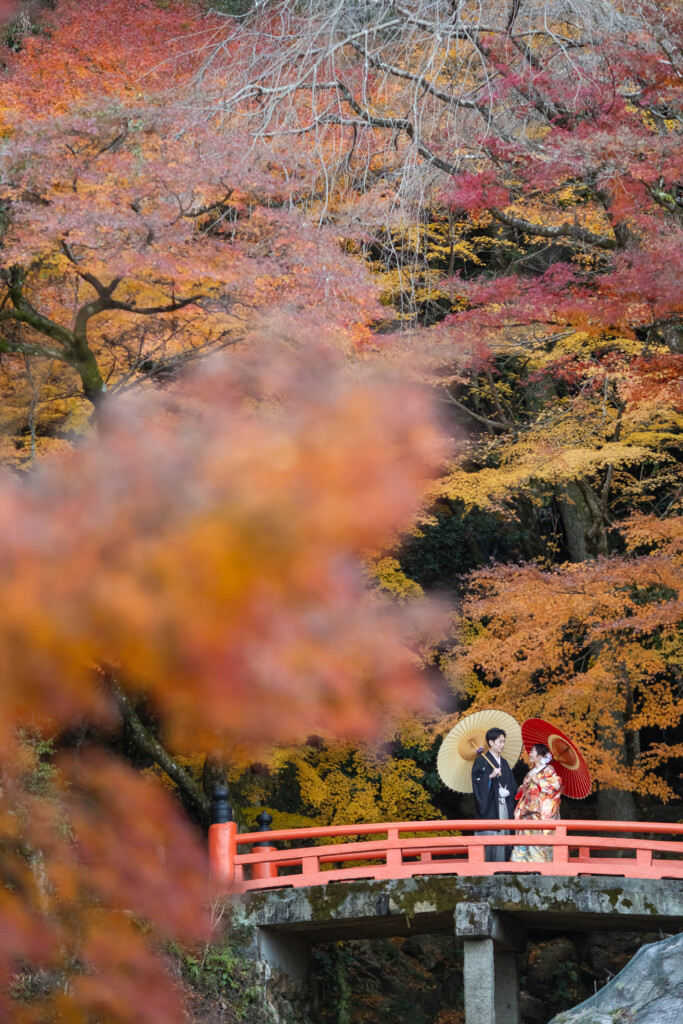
<point x="649" y="990"/>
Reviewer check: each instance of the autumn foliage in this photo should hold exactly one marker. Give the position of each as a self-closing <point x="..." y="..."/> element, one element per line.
<point x="137" y="235"/>
<point x="205" y="551"/>
<point x="240" y="550"/>
<point x="595" y="645"/>
<point x="200" y="525"/>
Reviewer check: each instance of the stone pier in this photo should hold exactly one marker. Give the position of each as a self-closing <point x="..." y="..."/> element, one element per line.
<point x="491" y="946"/>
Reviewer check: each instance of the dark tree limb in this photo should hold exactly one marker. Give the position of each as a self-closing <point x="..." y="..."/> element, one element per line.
<point x="28" y="348"/>
<point x="106" y="300"/>
<point x="493" y="424"/>
<point x="191" y="214"/>
<point x="146" y="741"/>
<point x="169" y="307"/>
<point x="512" y="17"/>
<point x="566" y="230"/>
<point x="496" y="399"/>
<point x="24" y="312"/>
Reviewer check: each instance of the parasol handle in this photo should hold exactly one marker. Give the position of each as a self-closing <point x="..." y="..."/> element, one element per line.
<point x="494" y="766"/>
<point x="480" y="750"/>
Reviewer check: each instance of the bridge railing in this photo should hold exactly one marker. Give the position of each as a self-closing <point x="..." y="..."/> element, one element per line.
<point x="401" y="849"/>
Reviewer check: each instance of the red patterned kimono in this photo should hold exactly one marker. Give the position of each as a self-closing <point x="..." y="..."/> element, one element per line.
<point x="538" y="798"/>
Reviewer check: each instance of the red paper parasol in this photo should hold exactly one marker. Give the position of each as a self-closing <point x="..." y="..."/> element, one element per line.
<point x="567" y="760"/>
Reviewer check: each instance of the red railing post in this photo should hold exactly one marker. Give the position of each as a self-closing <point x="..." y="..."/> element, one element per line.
<point x="475" y="852"/>
<point x="394" y="854"/>
<point x="561" y="853"/>
<point x="310" y="866"/>
<point x="222" y="850"/>
<point x="266" y="869"/>
<point x="644" y="858"/>
<point x="222" y="840"/>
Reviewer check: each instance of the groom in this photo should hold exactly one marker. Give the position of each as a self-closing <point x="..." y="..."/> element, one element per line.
<point x="494" y="786"/>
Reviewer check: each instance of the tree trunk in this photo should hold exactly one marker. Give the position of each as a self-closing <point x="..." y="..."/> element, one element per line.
<point x="673" y="336"/>
<point x="534" y="539"/>
<point x="616" y="804"/>
<point x="576" y="519"/>
<point x="84" y="362"/>
<point x="582" y="521"/>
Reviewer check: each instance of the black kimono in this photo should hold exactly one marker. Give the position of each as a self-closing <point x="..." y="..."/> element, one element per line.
<point x="489" y="802"/>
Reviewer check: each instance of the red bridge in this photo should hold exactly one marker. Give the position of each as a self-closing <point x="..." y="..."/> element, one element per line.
<point x="247" y="861"/>
<point x="416" y="877"/>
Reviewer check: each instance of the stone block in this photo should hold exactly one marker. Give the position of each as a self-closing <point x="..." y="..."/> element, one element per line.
<point x="478" y="921"/>
<point x="474" y="920"/>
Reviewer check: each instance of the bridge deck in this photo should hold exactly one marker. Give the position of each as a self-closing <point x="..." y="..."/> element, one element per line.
<point x="421" y="904"/>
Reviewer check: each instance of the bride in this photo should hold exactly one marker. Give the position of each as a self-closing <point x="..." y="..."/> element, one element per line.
<point x="539" y="798"/>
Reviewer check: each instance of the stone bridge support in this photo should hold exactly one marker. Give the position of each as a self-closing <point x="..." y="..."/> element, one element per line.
<point x="284" y="953"/>
<point x="491" y="947"/>
<point x="491" y="915"/>
<point x="490" y="969"/>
